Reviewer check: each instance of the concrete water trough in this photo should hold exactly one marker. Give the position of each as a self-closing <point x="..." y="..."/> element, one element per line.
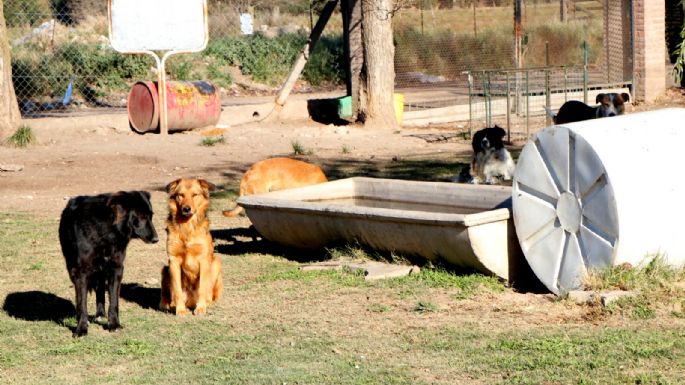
<point x="466" y="226"/>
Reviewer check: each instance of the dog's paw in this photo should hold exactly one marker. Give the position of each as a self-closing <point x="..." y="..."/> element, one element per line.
<point x="182" y="311"/>
<point x="112" y="327"/>
<point x="80" y="331"/>
<point x="199" y="310"/>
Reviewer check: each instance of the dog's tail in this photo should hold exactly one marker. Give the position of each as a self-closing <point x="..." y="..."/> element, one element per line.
<point x="232" y="213"/>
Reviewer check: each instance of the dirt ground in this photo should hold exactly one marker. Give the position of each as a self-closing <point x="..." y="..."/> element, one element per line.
<point x="99" y="153"/>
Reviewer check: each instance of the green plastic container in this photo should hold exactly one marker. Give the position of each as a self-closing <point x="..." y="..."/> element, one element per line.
<point x="345" y="107"/>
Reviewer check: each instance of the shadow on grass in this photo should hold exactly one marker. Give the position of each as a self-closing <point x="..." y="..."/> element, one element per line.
<point x="242" y="240"/>
<point x="435" y="170"/>
<point x="145" y="297"/>
<point x="38" y="306"/>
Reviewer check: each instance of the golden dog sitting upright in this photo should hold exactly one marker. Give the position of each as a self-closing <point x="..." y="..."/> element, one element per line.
<point x="192" y="280"/>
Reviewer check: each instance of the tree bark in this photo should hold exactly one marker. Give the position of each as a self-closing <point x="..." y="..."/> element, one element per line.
<point x="9" y="110"/>
<point x="378" y="77"/>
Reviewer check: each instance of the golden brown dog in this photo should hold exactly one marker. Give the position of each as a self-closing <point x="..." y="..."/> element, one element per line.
<point x="193" y="278"/>
<point x="277" y="174"/>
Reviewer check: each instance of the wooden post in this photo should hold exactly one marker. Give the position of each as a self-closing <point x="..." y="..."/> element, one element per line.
<point x="304" y="55"/>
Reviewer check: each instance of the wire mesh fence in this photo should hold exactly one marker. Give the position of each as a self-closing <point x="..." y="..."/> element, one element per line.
<point x="62" y="59"/>
<point x="520" y="99"/>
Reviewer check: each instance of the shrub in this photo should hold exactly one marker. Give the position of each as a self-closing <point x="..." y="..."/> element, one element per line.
<point x="269" y="60"/>
<point x="74" y="11"/>
<point x="25" y="12"/>
<point x="23" y="137"/>
<point x="325" y="64"/>
<point x="97" y="68"/>
<point x="266" y="60"/>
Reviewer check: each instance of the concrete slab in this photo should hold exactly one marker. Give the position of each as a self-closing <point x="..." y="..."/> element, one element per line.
<point x="372" y="270"/>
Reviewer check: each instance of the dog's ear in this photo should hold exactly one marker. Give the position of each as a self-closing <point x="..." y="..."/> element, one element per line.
<point x="500" y="131"/>
<point x="209" y="186"/>
<point x="146" y="199"/>
<point x="625" y="97"/>
<point x="172" y="186"/>
<point x="599" y="98"/>
<point x="116" y="202"/>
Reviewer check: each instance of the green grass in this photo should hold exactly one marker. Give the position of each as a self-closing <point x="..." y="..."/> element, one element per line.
<point x="278" y="324"/>
<point x="22" y="137"/>
<point x="654" y="284"/>
<point x="299" y="149"/>
<point x="211" y="141"/>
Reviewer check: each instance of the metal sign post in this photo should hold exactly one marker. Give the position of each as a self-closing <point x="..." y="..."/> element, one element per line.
<point x="169" y="26"/>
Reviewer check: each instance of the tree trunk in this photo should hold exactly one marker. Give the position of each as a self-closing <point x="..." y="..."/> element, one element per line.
<point x="9" y="110"/>
<point x="377" y="101"/>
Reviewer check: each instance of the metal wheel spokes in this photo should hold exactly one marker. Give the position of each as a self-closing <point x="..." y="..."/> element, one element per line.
<point x="564" y="208"/>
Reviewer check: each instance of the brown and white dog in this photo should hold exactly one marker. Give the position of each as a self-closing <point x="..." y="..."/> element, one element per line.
<point x="277" y="174"/>
<point x="610" y="104"/>
<point x="192" y="280"/>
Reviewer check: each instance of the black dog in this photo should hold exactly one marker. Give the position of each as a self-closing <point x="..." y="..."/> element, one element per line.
<point x="94" y="232"/>
<point x="491" y="162"/>
<point x="610" y="104"/>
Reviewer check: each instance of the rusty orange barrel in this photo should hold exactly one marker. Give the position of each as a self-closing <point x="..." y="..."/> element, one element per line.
<point x="189" y="105"/>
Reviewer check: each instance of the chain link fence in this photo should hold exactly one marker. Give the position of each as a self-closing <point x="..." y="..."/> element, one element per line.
<point x="62" y="59"/>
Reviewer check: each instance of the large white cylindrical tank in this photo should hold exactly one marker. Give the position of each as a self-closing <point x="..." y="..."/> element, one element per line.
<point x="602" y="192"/>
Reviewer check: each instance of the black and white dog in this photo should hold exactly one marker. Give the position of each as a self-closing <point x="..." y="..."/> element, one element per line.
<point x="610" y="104"/>
<point x="491" y="162"/>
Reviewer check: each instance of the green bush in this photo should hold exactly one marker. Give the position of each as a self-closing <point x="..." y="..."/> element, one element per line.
<point x="326" y="63"/>
<point x="95" y="67"/>
<point x="74" y="11"/>
<point x="25" y="12"/>
<point x="268" y="60"/>
<point x="22" y="137"/>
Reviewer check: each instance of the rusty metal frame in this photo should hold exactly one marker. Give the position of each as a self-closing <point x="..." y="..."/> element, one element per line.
<point x="161" y="65"/>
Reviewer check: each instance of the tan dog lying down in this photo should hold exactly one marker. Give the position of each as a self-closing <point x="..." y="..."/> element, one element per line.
<point x="277" y="174"/>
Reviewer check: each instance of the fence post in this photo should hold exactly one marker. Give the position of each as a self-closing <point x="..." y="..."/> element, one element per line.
<point x="527" y="108"/>
<point x="469" y="77"/>
<point x="585" y="73"/>
<point x="508" y="110"/>
<point x="486" y="98"/>
<point x="565" y="84"/>
<point x="548" y="89"/>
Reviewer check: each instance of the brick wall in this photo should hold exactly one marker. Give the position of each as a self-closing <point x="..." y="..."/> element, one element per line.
<point x="649" y="71"/>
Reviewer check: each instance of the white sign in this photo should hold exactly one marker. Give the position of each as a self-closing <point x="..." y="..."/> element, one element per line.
<point x="246" y="24"/>
<point x="158" y="25"/>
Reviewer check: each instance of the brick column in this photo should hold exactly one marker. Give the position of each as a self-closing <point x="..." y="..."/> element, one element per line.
<point x="649" y="70"/>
